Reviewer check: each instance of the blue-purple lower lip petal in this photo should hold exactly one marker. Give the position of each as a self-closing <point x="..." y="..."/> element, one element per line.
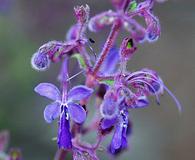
<point x="48" y="90"/>
<point x="51" y="112"/>
<point x="117" y="137"/>
<point x="77" y="112"/>
<point x="64" y="135"/>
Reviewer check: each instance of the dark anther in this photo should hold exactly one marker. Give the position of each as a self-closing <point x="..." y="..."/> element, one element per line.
<point x="101" y="91"/>
<point x="91" y="40"/>
<point x="84" y="106"/>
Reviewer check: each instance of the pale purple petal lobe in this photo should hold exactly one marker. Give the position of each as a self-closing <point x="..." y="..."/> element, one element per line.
<point x="79" y="92"/>
<point x="77" y="112"/>
<point x="51" y="112"/>
<point x="48" y="90"/>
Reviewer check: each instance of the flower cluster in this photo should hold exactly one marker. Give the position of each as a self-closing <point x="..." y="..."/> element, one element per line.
<point x="113" y="89"/>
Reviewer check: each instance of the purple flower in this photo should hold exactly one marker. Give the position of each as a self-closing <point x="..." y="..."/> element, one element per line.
<point x="114" y="110"/>
<point x="51" y="51"/>
<point x="64" y="109"/>
<point x="128" y="48"/>
<point x="121" y="123"/>
<point x="129" y="91"/>
<point x="147" y="82"/>
<point x="131" y="9"/>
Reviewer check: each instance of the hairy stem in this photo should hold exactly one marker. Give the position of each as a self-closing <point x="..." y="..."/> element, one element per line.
<point x="63" y="76"/>
<point x="108" y="45"/>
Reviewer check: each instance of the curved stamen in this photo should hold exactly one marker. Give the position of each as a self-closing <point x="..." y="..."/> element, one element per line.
<point x="140" y="72"/>
<point x="179" y="106"/>
<point x="143" y="81"/>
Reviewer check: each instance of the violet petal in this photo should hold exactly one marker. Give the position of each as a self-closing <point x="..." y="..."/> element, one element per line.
<point x="64" y="135"/>
<point x="48" y="90"/>
<point x="72" y="32"/>
<point x="109" y="108"/>
<point x="77" y="112"/>
<point x="79" y="92"/>
<point x="117" y="138"/>
<point x="109" y="66"/>
<point x="124" y="137"/>
<point x="107" y="123"/>
<point x="51" y="112"/>
<point x="142" y="102"/>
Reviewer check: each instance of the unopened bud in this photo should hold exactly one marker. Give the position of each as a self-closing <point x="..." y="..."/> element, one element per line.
<point x="40" y="61"/>
<point x="153" y="32"/>
<point x="127" y="48"/>
<point x="82" y="13"/>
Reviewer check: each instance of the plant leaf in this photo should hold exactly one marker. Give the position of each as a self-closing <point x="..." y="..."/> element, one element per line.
<point x="80" y="60"/>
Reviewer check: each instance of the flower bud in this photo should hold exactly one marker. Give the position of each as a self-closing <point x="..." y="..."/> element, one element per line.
<point x="82" y="13"/>
<point x="72" y="32"/>
<point x="136" y="30"/>
<point x="127" y="48"/>
<point x="153" y="27"/>
<point x="40" y="61"/>
<point x="153" y="32"/>
<point x="101" y="20"/>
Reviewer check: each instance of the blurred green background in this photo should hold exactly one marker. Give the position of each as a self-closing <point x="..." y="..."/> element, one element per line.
<point x="159" y="132"/>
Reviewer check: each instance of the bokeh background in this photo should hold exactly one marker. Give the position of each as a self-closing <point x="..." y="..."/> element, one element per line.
<point x="159" y="132"/>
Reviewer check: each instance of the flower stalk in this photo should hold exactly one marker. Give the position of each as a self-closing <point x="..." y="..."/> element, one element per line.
<point x="118" y="90"/>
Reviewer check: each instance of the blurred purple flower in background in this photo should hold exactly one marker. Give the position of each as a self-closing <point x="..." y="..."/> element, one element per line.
<point x="5" y="5"/>
<point x="14" y="153"/>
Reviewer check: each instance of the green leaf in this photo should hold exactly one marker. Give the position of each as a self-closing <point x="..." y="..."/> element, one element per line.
<point x="108" y="82"/>
<point x="129" y="46"/>
<point x="133" y="6"/>
<point x="80" y="60"/>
